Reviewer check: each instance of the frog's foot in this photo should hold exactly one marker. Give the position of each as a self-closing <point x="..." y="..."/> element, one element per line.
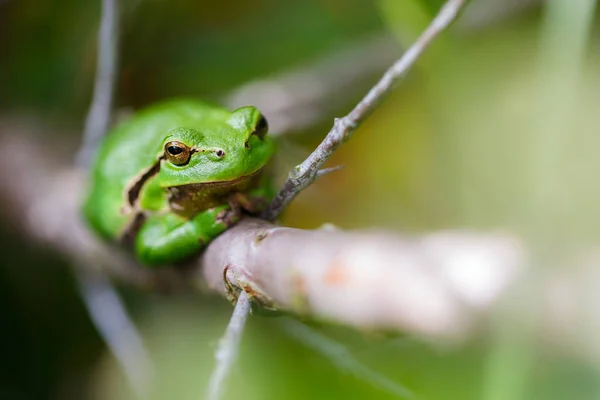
<point x="248" y="202"/>
<point x="235" y="283"/>
<point x="230" y="216"/>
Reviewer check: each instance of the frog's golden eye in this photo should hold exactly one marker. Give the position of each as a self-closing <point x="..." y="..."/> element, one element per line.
<point x="177" y="153"/>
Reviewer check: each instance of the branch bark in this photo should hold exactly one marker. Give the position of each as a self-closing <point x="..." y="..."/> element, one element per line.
<point x="369" y="280"/>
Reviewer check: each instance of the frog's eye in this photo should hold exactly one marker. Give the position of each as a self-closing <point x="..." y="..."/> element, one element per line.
<point x="177" y="153"/>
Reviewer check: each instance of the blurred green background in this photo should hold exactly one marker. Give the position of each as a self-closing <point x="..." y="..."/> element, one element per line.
<point x="495" y="128"/>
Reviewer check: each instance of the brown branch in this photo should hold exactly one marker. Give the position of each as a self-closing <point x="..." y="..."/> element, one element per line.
<point x="370" y="280"/>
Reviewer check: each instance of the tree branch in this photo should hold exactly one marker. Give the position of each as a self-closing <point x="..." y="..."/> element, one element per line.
<point x="306" y="173"/>
<point x="369" y="280"/>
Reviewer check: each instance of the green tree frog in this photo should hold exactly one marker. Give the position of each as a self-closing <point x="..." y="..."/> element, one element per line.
<point x="176" y="175"/>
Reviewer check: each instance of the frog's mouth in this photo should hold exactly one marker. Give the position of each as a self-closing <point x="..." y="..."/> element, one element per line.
<point x="191" y="198"/>
<point x="226" y="183"/>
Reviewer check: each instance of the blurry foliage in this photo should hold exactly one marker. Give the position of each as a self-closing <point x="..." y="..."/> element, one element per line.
<point x="168" y="49"/>
<point x="446" y="149"/>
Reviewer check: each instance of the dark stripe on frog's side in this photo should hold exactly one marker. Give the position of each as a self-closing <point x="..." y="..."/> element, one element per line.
<point x="188" y="200"/>
<point x="128" y="235"/>
<point x="133" y="193"/>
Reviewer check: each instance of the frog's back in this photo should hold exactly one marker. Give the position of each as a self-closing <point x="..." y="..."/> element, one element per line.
<point x="129" y="151"/>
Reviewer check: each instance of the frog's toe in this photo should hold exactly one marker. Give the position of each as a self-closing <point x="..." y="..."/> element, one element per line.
<point x="229" y="216"/>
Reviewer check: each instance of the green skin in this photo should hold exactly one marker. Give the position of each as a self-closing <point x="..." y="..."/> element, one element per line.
<point x="142" y="195"/>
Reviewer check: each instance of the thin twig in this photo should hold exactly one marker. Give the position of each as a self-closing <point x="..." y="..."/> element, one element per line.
<point x="341" y="357"/>
<point x="304" y="174"/>
<point x="229" y="347"/>
<point x="109" y="315"/>
<point x="327" y="171"/>
<point x="99" y="115"/>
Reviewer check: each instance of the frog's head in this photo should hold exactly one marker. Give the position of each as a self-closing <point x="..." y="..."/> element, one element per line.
<point x="227" y="148"/>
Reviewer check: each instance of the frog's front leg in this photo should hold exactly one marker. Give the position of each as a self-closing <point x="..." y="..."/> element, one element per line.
<point x="169" y="238"/>
<point x="253" y="201"/>
<point x="256" y="200"/>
